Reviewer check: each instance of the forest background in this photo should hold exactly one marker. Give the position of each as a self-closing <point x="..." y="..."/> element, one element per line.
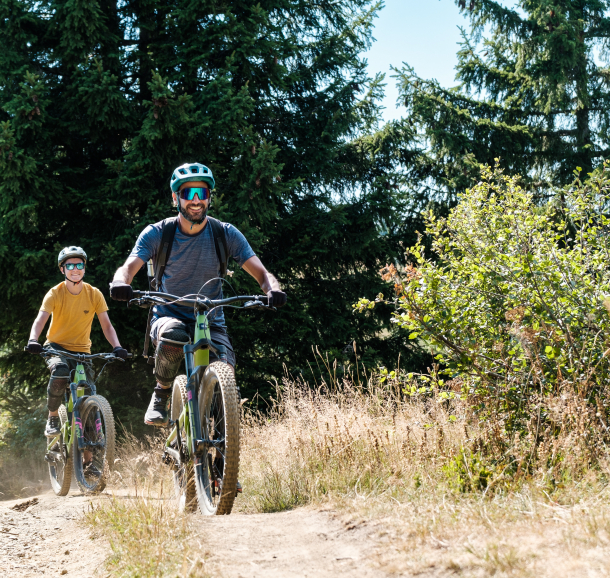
<point x="101" y="100"/>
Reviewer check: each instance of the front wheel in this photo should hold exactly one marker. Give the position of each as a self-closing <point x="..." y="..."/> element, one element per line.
<point x="95" y="461"/>
<point x="60" y="461"/>
<point x="216" y="470"/>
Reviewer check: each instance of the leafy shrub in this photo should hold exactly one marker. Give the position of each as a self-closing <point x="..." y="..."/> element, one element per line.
<point x="512" y="301"/>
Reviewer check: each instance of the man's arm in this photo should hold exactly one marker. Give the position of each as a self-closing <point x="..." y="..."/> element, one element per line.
<point x="268" y="283"/>
<point x="38" y="325"/>
<point x="108" y="329"/>
<point x="127" y="272"/>
<point x="120" y="288"/>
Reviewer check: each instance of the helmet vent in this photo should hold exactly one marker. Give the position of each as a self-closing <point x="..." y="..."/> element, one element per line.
<point x="182" y="171"/>
<point x="194" y="170"/>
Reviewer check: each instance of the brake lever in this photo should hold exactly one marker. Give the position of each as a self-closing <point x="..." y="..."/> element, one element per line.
<point x="258" y="305"/>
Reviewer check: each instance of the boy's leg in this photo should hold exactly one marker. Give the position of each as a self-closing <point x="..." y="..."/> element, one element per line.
<point x="169" y="335"/>
<point x="58" y="382"/>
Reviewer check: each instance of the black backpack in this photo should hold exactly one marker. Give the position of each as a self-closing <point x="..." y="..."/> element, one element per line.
<point x="156" y="266"/>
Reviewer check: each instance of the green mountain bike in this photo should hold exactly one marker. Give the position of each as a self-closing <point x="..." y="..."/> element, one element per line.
<point x="203" y="445"/>
<point x="85" y="444"/>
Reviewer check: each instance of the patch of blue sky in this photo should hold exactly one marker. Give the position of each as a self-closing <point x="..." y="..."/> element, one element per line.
<point x="423" y="33"/>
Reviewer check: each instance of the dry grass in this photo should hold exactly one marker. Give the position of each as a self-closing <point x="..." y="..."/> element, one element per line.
<point x="425" y="477"/>
<point x="147" y="534"/>
<point x="431" y="485"/>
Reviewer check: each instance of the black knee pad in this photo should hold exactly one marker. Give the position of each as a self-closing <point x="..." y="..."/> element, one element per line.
<point x="169" y="354"/>
<point x="60" y="379"/>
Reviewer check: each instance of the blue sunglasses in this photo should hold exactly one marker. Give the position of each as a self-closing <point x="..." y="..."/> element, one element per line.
<point x="188" y="194"/>
<point x="70" y="266"/>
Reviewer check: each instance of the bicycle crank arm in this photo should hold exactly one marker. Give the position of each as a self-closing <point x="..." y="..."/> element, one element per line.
<point x="171" y="458"/>
<point x="53" y="457"/>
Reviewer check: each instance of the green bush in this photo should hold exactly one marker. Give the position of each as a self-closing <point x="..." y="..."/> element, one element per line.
<point x="512" y="300"/>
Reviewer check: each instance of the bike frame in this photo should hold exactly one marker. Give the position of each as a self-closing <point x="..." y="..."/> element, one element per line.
<point x="73" y="424"/>
<point x="196" y="359"/>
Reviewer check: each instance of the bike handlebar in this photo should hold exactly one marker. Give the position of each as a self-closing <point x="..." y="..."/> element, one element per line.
<point x="149" y="297"/>
<point x="81" y="356"/>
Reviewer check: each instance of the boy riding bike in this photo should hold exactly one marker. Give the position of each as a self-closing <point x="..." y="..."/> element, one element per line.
<point x="72" y="304"/>
<point x="194" y="267"/>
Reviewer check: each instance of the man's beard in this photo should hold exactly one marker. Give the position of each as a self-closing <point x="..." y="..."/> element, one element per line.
<point x="191" y="219"/>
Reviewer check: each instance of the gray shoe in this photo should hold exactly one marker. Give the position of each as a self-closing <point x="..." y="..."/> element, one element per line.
<point x="157" y="413"/>
<point x="53" y="426"/>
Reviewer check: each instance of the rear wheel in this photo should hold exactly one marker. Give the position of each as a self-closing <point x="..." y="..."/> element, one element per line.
<point x="216" y="470"/>
<point x="60" y="462"/>
<point x="184" y="482"/>
<point x="93" y="464"/>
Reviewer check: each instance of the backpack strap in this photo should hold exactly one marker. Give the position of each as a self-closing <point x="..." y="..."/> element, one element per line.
<point x="220" y="243"/>
<point x="168" y="232"/>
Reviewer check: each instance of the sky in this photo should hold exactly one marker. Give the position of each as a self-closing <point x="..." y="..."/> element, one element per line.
<point x="423" y="33"/>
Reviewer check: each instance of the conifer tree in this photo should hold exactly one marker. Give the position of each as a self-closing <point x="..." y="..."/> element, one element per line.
<point x="533" y="91"/>
<point x="100" y="101"/>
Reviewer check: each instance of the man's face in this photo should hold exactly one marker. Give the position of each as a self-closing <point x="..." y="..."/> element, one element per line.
<point x="196" y="208"/>
<point x="75" y="275"/>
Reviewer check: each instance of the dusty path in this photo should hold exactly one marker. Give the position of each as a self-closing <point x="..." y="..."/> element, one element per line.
<point x="45" y="540"/>
<point x="297" y="543"/>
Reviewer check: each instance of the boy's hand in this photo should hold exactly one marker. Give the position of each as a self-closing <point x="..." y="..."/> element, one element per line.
<point x="120" y="291"/>
<point x="120" y="352"/>
<point x="33" y="347"/>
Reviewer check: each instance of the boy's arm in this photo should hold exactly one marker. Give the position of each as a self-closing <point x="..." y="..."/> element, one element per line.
<point x="38" y="325"/>
<point x="33" y="346"/>
<point x="108" y="329"/>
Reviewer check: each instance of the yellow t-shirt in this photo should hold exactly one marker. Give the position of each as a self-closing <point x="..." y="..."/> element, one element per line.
<point x="73" y="316"/>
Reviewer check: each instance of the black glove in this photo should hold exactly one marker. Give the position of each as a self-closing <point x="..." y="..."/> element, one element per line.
<point x="119" y="351"/>
<point x="120" y="291"/>
<point x="277" y="298"/>
<point x="34" y="347"/>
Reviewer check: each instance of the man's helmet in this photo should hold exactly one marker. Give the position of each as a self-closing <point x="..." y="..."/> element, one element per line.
<point x="191" y="172"/>
<point x="69" y="253"/>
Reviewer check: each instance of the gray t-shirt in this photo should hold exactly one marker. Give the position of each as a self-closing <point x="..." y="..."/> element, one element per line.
<point x="192" y="264"/>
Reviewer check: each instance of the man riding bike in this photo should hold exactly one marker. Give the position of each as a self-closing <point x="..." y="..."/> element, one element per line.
<point x="73" y="304"/>
<point x="192" y="268"/>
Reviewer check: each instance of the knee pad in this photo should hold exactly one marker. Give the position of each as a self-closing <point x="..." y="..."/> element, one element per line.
<point x="60" y="379"/>
<point x="169" y="353"/>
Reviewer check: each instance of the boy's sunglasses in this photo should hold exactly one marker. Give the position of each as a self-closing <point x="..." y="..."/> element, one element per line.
<point x="188" y="194"/>
<point x="70" y="266"/>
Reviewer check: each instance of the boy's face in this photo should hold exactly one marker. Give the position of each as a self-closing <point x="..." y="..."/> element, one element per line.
<point x="75" y="275"/>
<point x="196" y="208"/>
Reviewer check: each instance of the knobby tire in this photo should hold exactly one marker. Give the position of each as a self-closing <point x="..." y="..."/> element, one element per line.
<point x="216" y="472"/>
<point x="61" y="473"/>
<point x="102" y="458"/>
<point x="184" y="481"/>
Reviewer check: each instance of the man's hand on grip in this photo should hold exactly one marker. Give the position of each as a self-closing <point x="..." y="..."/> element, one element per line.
<point x="277" y="298"/>
<point x="120" y="291"/>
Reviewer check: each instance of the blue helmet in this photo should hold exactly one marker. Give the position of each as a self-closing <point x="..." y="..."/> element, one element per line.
<point x="189" y="172"/>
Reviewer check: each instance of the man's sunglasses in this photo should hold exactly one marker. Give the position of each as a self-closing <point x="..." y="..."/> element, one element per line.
<point x="188" y="194"/>
<point x="70" y="266"/>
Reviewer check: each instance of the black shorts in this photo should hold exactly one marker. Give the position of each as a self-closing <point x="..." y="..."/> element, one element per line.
<point x="218" y="335"/>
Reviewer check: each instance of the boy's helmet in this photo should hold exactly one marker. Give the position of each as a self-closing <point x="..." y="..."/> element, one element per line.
<point x="69" y="253"/>
<point x="191" y="172"/>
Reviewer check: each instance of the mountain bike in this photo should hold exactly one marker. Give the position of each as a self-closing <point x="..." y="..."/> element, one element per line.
<point x="203" y="445"/>
<point x="85" y="444"/>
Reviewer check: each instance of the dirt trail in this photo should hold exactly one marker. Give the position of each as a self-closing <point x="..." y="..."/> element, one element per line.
<point x="45" y="540"/>
<point x="297" y="543"/>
